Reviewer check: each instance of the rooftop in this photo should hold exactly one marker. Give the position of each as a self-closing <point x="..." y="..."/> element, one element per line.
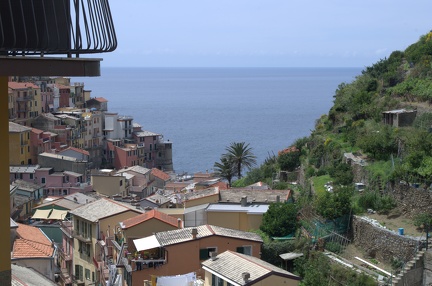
<point x="25" y="276"/>
<point x="235" y="207"/>
<point x="230" y="265"/>
<point x="153" y="214"/>
<point x="26" y="186"/>
<point x="21" y="85"/>
<point x="136" y="169"/>
<point x="31" y="242"/>
<point x="144" y="133"/>
<point x="76" y="150"/>
<point x="185" y="234"/>
<point x="17" y="128"/>
<point x="23" y="169"/>
<point x="160" y="174"/>
<point x="99" y="209"/>
<point x="253" y="195"/>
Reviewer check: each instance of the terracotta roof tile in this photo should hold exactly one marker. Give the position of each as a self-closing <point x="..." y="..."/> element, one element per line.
<point x="78" y="150"/>
<point x="101" y="99"/>
<point x="27" y="248"/>
<point x="153" y="214"/>
<point x="160" y="174"/>
<point x="21" y="85"/>
<point x="32" y="233"/>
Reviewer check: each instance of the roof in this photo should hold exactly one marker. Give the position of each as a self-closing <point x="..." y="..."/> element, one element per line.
<point x="99" y="209"/>
<point x="158" y="199"/>
<point x="399" y="111"/>
<point x="153" y="214"/>
<point x="56" y="156"/>
<point x="136" y="169"/>
<point x="100" y="99"/>
<point x="26" y="186"/>
<point x="79" y="198"/>
<point x="200" y="194"/>
<point x="160" y="174"/>
<point x="31" y="242"/>
<point x="76" y="150"/>
<point x="230" y="266"/>
<point x="171" y="237"/>
<point x="253" y="195"/>
<point x="23" y="276"/>
<point x="17" y="128"/>
<point x="250" y="208"/>
<point x="21" y="85"/>
<point x="23" y="169"/>
<point x="37" y="131"/>
<point x="144" y="133"/>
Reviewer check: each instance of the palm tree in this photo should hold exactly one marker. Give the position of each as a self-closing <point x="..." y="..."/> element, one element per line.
<point x="224" y="169"/>
<point x="241" y="156"/>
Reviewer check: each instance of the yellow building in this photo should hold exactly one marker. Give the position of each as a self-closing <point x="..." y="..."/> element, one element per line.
<point x="27" y="101"/>
<point x="19" y="144"/>
<point x="232" y="268"/>
<point x="93" y="223"/>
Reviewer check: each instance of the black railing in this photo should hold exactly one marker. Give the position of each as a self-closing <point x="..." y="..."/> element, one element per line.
<point x="71" y="27"/>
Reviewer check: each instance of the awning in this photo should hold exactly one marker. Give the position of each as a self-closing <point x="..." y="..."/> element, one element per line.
<point x="145" y="243"/>
<point x="41" y="214"/>
<point x="58" y="214"/>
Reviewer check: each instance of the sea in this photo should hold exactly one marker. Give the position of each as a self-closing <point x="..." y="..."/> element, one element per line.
<point x="204" y="110"/>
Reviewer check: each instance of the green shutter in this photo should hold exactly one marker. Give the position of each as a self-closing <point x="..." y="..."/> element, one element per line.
<point x="240" y="249"/>
<point x="203" y="254"/>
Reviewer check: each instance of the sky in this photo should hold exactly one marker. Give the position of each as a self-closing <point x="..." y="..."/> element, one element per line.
<point x="263" y="33"/>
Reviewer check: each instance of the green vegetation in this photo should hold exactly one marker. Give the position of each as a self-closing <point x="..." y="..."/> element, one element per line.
<point x="280" y="220"/>
<point x="386" y="154"/>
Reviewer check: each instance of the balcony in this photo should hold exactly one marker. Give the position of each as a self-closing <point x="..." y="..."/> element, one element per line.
<point x="65" y="256"/>
<point x="25" y="98"/>
<point x="56" y="27"/>
<point x="62" y="27"/>
<point x="80" y="236"/>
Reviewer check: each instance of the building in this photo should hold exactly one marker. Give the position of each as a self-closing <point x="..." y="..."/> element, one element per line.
<point x="93" y="225"/>
<point x="27" y="196"/>
<point x="32" y="248"/>
<point x="40" y="142"/>
<point x="399" y="117"/>
<point x="19" y="144"/>
<point x="189" y="245"/>
<point x="236" y="269"/>
<point x="27" y="98"/>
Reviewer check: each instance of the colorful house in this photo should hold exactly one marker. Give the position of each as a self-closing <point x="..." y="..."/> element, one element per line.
<point x="237" y="269"/>
<point x="182" y="251"/>
<point x="19" y="144"/>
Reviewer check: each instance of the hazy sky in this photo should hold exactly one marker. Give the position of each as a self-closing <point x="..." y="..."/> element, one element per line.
<point x="264" y="33"/>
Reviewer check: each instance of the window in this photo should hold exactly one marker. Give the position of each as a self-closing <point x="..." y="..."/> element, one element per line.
<point x="31" y="176"/>
<point x="87" y="274"/>
<point x="246" y="249"/>
<point x="204" y="253"/>
<point x="217" y="281"/>
<point x="121" y="182"/>
<point x="42" y="180"/>
<point x="79" y="272"/>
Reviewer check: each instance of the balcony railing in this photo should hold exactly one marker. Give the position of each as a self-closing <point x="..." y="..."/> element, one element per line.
<point x="65" y="256"/>
<point x="70" y="27"/>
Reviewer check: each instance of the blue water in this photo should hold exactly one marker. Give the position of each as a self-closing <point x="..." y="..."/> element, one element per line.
<point x="203" y="110"/>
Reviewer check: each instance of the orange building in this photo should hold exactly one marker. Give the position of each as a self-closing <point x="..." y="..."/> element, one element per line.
<point x="182" y="251"/>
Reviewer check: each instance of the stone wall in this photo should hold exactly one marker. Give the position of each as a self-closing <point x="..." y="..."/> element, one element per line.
<point x="381" y="243"/>
<point x="410" y="200"/>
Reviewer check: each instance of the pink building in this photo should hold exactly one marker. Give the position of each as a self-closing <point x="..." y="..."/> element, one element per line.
<point x="121" y="157"/>
<point x="40" y="142"/>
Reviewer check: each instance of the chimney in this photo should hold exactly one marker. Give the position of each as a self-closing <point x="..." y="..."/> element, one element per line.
<point x="245" y="276"/>
<point x="213" y="255"/>
<point x="194" y="233"/>
<point x="179" y="223"/>
<point x="243" y="201"/>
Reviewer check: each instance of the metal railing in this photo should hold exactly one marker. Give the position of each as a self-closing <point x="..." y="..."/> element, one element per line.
<point x="71" y="27"/>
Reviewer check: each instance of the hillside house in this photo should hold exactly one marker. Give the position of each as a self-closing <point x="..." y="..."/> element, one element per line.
<point x="188" y="245"/>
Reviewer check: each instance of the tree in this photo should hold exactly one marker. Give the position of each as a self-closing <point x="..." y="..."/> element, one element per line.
<point x="280" y="219"/>
<point x="224" y="169"/>
<point x="241" y="156"/>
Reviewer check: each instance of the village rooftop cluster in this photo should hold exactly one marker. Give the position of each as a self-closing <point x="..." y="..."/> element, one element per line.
<point x="95" y="201"/>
